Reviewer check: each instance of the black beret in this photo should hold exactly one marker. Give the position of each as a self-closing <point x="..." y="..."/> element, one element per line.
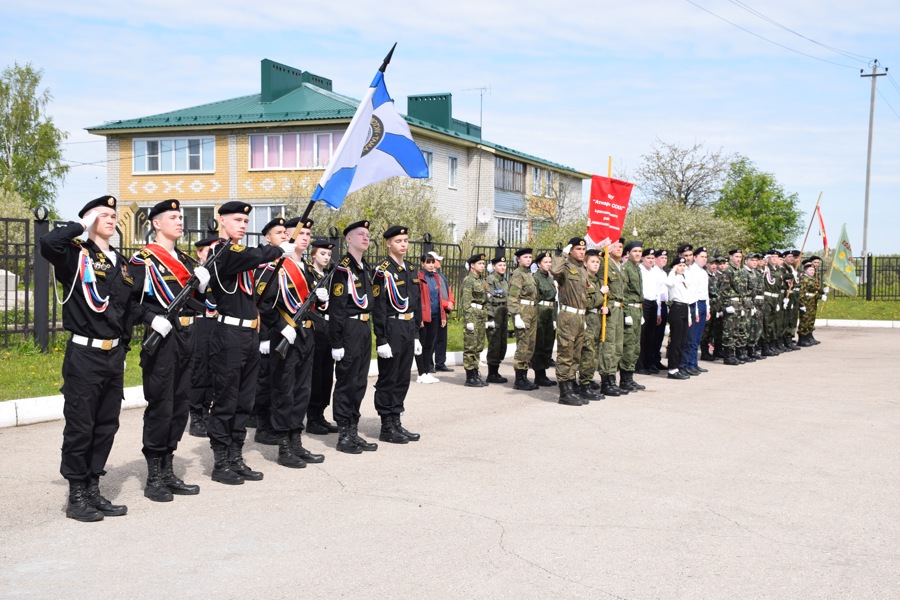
<point x="322" y="243"/>
<point x="102" y="201"/>
<point x="685" y="248"/>
<point x="498" y="259"/>
<point x="699" y="249"/>
<point x="161" y="207"/>
<point x="734" y="251"/>
<point x="205" y="242"/>
<point x="680" y="261"/>
<point x="395" y="231"/>
<point x="632" y="245"/>
<point x="662" y="253"/>
<point x="621" y="240"/>
<point x="276" y="222"/>
<point x="592" y="252"/>
<point x="648" y="252"/>
<point x="475" y="258"/>
<point x="295" y="221"/>
<point x="808" y="263"/>
<point x="541" y="256"/>
<point x="719" y="259"/>
<point x="235" y="207"/>
<point x="577" y="241"/>
<point x="523" y="251"/>
<point x="795" y="253"/>
<point x="356" y="225"/>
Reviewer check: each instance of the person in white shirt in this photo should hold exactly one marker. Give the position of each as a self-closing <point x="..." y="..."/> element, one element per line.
<point x="698" y="283"/>
<point x="679" y="296"/>
<point x="662" y="259"/>
<point x="651" y="315"/>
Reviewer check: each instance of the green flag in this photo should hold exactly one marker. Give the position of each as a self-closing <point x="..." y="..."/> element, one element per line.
<point x="842" y="275"/>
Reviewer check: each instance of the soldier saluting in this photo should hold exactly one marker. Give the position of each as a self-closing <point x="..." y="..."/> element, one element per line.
<point x="98" y="285"/>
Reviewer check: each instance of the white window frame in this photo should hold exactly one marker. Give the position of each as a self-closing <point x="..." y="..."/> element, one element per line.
<point x="548" y="191"/>
<point x="537" y="181"/>
<point x="207" y="144"/>
<point x="428" y="155"/>
<point x="317" y="163"/>
<point x="453" y="168"/>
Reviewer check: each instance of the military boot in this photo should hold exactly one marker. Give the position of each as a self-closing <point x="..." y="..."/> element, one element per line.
<point x="96" y="499"/>
<point x="731" y="357"/>
<point x="705" y="354"/>
<point x="286" y="457"/>
<point x="236" y="458"/>
<point x="364" y="444"/>
<point x="156" y="489"/>
<point x="627" y="377"/>
<point x="473" y="380"/>
<point x="584" y="391"/>
<point x="389" y="431"/>
<point x="522" y="382"/>
<point x="413" y="437"/>
<point x="767" y="349"/>
<point x="78" y="507"/>
<point x="301" y="452"/>
<point x="757" y="351"/>
<point x="345" y="443"/>
<point x="804" y="341"/>
<point x="751" y="353"/>
<point x="565" y="394"/>
<point x="319" y="425"/>
<point x="494" y="375"/>
<point x="813" y="340"/>
<point x="541" y="379"/>
<point x="173" y="482"/>
<point x="222" y="471"/>
<point x="622" y="391"/>
<point x="264" y="434"/>
<point x="608" y="386"/>
<point x="478" y="377"/>
<point x="197" y="427"/>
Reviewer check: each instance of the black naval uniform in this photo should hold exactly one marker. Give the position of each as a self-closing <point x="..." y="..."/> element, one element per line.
<point x="234" y="356"/>
<point x="351" y="297"/>
<point x="97" y="315"/>
<point x="323" y="368"/>
<point x="397" y="313"/>
<point x="260" y="415"/>
<point x="201" y="381"/>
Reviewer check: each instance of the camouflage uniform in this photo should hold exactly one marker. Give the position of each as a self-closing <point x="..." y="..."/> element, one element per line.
<point x="714" y="323"/>
<point x="474" y="311"/>
<point x="590" y="351"/>
<point x="611" y="351"/>
<point x="498" y="337"/>
<point x="523" y="302"/>
<point x="546" y="319"/>
<point x="793" y="308"/>
<point x="631" y="334"/>
<point x="732" y="290"/>
<point x="755" y="314"/>
<point x="772" y="308"/>
<point x="571" y="277"/>
<point x="809" y="300"/>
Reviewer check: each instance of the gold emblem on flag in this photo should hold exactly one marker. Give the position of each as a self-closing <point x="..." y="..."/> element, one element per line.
<point x="376" y="134"/>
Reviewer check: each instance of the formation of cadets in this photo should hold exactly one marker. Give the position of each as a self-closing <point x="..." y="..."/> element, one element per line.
<point x="239" y="337"/>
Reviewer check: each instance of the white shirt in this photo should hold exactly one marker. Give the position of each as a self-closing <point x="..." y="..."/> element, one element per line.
<point x="698" y="280"/>
<point x="650" y="284"/>
<point x="660" y="277"/>
<point x="678" y="286"/>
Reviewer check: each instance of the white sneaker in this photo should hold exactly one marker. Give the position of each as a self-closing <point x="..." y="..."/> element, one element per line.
<point x="426" y="378"/>
<point x="432" y="378"/>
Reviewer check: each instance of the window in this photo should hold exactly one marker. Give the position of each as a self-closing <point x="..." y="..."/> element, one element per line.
<point x="509" y="175"/>
<point x="174" y="155"/>
<point x="429" y="159"/>
<point x="196" y="217"/>
<point x="549" y="190"/>
<point x="513" y="231"/>
<point x="262" y="214"/>
<point x="293" y="150"/>
<point x="537" y="181"/>
<point x="452" y="164"/>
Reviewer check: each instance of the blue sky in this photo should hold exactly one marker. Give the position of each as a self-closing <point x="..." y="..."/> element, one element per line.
<point x="569" y="81"/>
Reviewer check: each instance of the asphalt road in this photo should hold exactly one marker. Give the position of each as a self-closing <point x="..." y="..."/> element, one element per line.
<point x="778" y="479"/>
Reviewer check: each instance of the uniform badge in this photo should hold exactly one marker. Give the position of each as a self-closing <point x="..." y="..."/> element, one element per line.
<point x="237" y="248"/>
<point x="376" y="289"/>
<point x="338" y="289"/>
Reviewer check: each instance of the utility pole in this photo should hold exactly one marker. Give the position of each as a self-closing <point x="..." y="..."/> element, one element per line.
<point x="481" y="91"/>
<point x="874" y="75"/>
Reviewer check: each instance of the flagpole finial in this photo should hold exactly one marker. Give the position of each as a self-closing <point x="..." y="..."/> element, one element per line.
<point x="387" y="59"/>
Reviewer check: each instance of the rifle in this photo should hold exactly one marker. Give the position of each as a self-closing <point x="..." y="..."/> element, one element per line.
<point x="283" y="344"/>
<point x="152" y="342"/>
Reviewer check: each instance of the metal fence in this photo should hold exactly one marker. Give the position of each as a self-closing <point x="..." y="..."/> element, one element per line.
<point x="16" y="258"/>
<point x="877" y="277"/>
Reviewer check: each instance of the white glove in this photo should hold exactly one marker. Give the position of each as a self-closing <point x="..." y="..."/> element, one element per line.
<point x="384" y="351"/>
<point x="89" y="219"/>
<point x="161" y="325"/>
<point x="554" y="325"/>
<point x="470" y="327"/>
<point x="824" y="298"/>
<point x="124" y="365"/>
<point x="264" y="347"/>
<point x="752" y="312"/>
<point x="337" y="354"/>
<point x="826" y="289"/>
<point x="786" y="301"/>
<point x="417" y="347"/>
<point x="519" y="323"/>
<point x="566" y="250"/>
<point x="322" y="294"/>
<point x="803" y="308"/>
<point x="287" y="248"/>
<point x="490" y="325"/>
<point x="719" y="315"/>
<point x="202" y="274"/>
<point x="628" y="321"/>
<point x="644" y="320"/>
<point x="742" y="314"/>
<point x="729" y="310"/>
<point x="289" y="333"/>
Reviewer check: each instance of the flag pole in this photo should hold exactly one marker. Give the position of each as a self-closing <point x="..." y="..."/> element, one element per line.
<point x="605" y="266"/>
<point x="806" y="237"/>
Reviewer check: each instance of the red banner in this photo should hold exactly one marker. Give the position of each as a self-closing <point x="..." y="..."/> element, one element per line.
<point x="606" y="212"/>
<point x="822" y="229"/>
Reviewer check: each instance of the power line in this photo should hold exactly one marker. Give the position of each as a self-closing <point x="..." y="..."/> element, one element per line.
<point x="753" y="33"/>
<point x="888" y="103"/>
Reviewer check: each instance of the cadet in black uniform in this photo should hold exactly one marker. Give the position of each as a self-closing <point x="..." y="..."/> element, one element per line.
<point x="234" y="347"/>
<point x="323" y="364"/>
<point x="201" y="382"/>
<point x="97" y="315"/>
<point x="350" y="299"/>
<point x="397" y="313"/>
<point x="160" y="273"/>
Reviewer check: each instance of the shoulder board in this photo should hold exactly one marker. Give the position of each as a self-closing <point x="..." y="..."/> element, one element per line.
<point x="237" y="248"/>
<point x="76" y="241"/>
<point x="345" y="262"/>
<point x="384" y="265"/>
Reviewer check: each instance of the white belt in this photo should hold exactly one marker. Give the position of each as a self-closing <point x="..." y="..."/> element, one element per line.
<point x="759" y="297"/>
<point x="592" y="311"/>
<point x="361" y="317"/>
<point x="402" y="316"/>
<point x="577" y="311"/>
<point x="94" y="343"/>
<point x="735" y="299"/>
<point x="248" y="323"/>
<point x="477" y="306"/>
<point x="546" y="303"/>
<point x="811" y="294"/>
<point x="635" y="305"/>
<point x="617" y="304"/>
<point x="770" y="294"/>
<point x="526" y="302"/>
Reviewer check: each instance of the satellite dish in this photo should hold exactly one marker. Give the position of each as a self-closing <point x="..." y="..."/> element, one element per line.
<point x="484" y="215"/>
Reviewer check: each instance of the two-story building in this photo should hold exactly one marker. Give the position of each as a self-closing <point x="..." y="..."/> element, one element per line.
<point x="270" y="147"/>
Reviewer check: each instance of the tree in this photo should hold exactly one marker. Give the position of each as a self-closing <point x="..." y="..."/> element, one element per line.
<point x="30" y="144"/>
<point x="690" y="176"/>
<point x="668" y="224"/>
<point x="757" y="199"/>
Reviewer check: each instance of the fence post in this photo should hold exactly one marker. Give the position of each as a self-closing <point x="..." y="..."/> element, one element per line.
<point x="870" y="270"/>
<point x="41" y="281"/>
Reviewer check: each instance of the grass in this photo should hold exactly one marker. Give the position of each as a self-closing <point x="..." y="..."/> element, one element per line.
<point x="858" y="309"/>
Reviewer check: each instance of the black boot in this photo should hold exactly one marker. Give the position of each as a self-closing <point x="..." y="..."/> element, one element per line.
<point x="565" y="394"/>
<point x="720" y="352"/>
<point x="413" y="437"/>
<point x="522" y="382"/>
<point x="222" y="471"/>
<point x="345" y="443"/>
<point x="389" y="431"/>
<point x="627" y="377"/>
<point x="766" y="349"/>
<point x="584" y="391"/>
<point x="156" y="489"/>
<point x="264" y="434"/>
<point x="705" y="354"/>
<point x="319" y="425"/>
<point x="746" y="357"/>
<point x="731" y="357"/>
<point x="757" y="351"/>
<point x="478" y="377"/>
<point x="301" y="452"/>
<point x="96" y="499"/>
<point x="751" y="353"/>
<point x="813" y="339"/>
<point x="286" y="457"/>
<point x="541" y="379"/>
<point x="472" y="379"/>
<point x="622" y="391"/>
<point x="197" y="427"/>
<point x="236" y="458"/>
<point x="804" y="341"/>
<point x="364" y="445"/>
<point x="608" y="386"/>
<point x="494" y="375"/>
<point x="78" y="507"/>
<point x="173" y="482"/>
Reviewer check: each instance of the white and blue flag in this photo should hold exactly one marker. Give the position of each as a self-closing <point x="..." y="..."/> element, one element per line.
<point x="376" y="146"/>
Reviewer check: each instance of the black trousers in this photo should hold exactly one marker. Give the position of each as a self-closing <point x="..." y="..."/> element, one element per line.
<point x="351" y="372"/>
<point x="393" y="373"/>
<point x="660" y="334"/>
<point x="322" y="375"/>
<point x="92" y="392"/>
<point x="263" y="395"/>
<point x="428" y="338"/>
<point x="290" y="379"/>
<point x="678" y="326"/>
<point x="440" y="347"/>
<point x="498" y="337"/>
<point x="648" y="335"/>
<point x="201" y="381"/>
<point x="234" y="362"/>
<point x="167" y="390"/>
